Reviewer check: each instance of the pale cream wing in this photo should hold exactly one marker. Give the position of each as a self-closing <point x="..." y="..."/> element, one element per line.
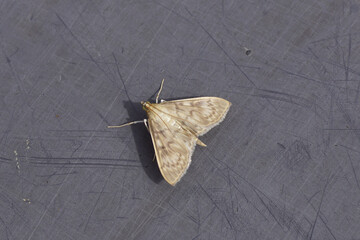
<point x="198" y="114"/>
<point x="173" y="145"/>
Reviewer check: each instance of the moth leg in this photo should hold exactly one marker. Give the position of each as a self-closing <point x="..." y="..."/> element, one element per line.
<point x="158" y="94"/>
<point x="154" y="157"/>
<point x="146" y="124"/>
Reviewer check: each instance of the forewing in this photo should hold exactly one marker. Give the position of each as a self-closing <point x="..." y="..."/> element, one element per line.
<point x="199" y="115"/>
<point x="173" y="146"/>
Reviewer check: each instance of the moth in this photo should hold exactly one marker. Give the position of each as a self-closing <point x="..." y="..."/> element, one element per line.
<point x="175" y="127"/>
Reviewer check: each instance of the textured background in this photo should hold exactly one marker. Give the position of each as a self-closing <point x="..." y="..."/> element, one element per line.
<point x="283" y="165"/>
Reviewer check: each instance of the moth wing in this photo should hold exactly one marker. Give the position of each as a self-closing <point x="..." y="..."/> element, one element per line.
<point x="198" y="114"/>
<point x="173" y="146"/>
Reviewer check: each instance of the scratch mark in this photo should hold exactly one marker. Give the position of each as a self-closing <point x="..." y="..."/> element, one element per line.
<point x="217" y="207"/>
<point x="121" y="77"/>
<point x="5" y="159"/>
<point x="301" y="76"/>
<point x="338" y="103"/>
<point x="173" y="11"/>
<point x="13" y="71"/>
<point x="267" y="207"/>
<point x="284" y="219"/>
<point x="209" y="214"/>
<point x="312" y="196"/>
<point x="248" y="201"/>
<point x="283" y="96"/>
<point x="356" y="100"/>
<point x="222" y="8"/>
<point x="222" y="49"/>
<point x="226" y="53"/>
<point x="319" y="208"/>
<point x="321" y="218"/>
<point x="103" y="118"/>
<point x="341" y="129"/>
<point x="55" y="174"/>
<point x="6" y="228"/>
<point x="352" y="166"/>
<point x="196" y="236"/>
<point x="346" y="66"/>
<point x="354" y="150"/>
<point x="97" y="200"/>
<point x="281" y="145"/>
<point x="83" y="47"/>
<point x="122" y="81"/>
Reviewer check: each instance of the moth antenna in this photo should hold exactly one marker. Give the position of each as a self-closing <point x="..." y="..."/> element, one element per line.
<point x="127" y="124"/>
<point x="158" y="94"/>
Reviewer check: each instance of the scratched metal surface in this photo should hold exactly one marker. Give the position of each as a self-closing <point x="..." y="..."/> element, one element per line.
<point x="283" y="165"/>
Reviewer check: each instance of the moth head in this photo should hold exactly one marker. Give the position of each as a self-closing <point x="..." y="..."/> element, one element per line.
<point x="145" y="105"/>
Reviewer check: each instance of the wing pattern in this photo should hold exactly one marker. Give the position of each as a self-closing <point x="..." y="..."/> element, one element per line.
<point x="175" y="126"/>
<point x="198" y="114"/>
<point x="173" y="146"/>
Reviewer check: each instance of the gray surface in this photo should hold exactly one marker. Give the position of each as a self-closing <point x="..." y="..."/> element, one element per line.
<point x="283" y="165"/>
